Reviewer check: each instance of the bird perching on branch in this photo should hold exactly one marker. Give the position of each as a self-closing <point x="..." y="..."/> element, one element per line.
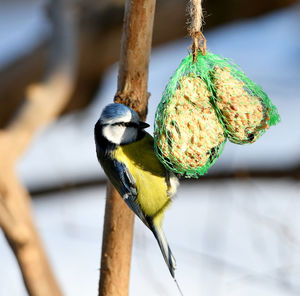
<point x="125" y="151"/>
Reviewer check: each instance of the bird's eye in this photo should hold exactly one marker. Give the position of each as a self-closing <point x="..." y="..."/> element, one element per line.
<point x="126" y="124"/>
<point x="130" y="124"/>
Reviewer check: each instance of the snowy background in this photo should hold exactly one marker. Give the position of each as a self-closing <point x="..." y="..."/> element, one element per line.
<point x="230" y="237"/>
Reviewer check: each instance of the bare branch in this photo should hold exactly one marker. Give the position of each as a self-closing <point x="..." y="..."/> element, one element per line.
<point x="18" y="232"/>
<point x="132" y="91"/>
<point x="43" y="103"/>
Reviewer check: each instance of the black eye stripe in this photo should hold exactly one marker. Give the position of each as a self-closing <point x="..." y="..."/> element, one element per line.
<point x="131" y="124"/>
<point x="127" y="124"/>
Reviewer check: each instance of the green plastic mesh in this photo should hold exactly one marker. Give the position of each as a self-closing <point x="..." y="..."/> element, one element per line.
<point x="243" y="107"/>
<point x="203" y="104"/>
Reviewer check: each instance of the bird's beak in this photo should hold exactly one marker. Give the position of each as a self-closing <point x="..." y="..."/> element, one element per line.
<point x="143" y="125"/>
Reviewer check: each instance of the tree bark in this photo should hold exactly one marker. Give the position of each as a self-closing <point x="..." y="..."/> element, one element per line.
<point x="132" y="91"/>
<point x="21" y="234"/>
<point x="116" y="246"/>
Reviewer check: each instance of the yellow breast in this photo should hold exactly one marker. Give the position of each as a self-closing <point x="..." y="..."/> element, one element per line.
<point x="149" y="175"/>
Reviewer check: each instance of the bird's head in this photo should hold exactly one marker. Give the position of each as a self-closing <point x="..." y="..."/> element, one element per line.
<point x="120" y="124"/>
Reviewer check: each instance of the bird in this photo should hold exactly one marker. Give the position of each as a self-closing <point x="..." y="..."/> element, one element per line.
<point x="125" y="152"/>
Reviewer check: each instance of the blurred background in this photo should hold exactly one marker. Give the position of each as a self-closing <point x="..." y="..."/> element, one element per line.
<point x="235" y="231"/>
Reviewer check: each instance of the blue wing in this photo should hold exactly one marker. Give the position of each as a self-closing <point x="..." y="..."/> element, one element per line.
<point x="126" y="186"/>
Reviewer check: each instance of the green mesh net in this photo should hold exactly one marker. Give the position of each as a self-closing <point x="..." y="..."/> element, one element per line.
<point x="243" y="107"/>
<point x="203" y="104"/>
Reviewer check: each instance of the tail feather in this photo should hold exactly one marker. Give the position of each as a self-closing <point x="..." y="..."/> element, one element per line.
<point x="165" y="249"/>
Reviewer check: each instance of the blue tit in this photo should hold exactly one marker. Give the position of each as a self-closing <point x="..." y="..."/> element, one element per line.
<point x="125" y="152"/>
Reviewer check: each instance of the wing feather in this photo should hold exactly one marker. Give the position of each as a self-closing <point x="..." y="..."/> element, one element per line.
<point x="128" y="189"/>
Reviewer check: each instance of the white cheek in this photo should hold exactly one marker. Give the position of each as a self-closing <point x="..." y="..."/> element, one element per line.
<point x="114" y="133"/>
<point x="118" y="134"/>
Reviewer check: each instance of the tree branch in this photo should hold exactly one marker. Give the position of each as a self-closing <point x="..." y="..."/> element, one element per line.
<point x="132" y="91"/>
<point x="43" y="103"/>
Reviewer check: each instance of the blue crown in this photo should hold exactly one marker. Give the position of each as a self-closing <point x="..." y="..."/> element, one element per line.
<point x="115" y="110"/>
